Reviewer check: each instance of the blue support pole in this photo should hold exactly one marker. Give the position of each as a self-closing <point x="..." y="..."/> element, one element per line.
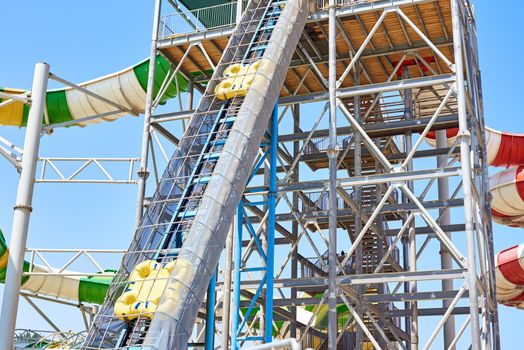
<point x="210" y="313"/>
<point x="272" y="201"/>
<point x="236" y="274"/>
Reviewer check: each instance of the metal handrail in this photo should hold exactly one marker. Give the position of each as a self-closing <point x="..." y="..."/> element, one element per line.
<point x="198" y="20"/>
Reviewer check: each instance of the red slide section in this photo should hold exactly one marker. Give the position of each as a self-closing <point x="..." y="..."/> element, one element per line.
<point x="510" y="276"/>
<point x="507" y="208"/>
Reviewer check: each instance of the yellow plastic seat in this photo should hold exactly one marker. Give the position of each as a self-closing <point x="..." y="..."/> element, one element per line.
<point x="147" y="283"/>
<point x="239" y="79"/>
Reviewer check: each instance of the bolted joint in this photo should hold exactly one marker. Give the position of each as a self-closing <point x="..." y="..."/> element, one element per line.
<point x="23" y="207"/>
<point x="444" y="250"/>
<point x="143" y="173"/>
<point x="333" y="151"/>
<point x="464" y="136"/>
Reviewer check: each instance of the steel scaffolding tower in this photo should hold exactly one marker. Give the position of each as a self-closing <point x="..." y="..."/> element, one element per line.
<point x="413" y="220"/>
<point x="352" y="232"/>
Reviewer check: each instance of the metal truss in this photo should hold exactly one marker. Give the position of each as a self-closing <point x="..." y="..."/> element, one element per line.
<point x="88" y="170"/>
<point x="413" y="222"/>
<point x="401" y="197"/>
<point x="42" y="256"/>
<point x="11" y="152"/>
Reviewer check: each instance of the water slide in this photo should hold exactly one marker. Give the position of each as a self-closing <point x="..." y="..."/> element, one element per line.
<point x="80" y="289"/>
<point x="507" y="207"/>
<point x="190" y="214"/>
<point x="126" y="87"/>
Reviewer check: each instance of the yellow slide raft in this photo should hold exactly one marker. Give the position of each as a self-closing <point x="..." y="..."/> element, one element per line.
<point x="238" y="80"/>
<point x="146" y="286"/>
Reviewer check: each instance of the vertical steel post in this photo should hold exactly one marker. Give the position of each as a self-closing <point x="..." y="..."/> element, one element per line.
<point x="22" y="209"/>
<point x="357" y="171"/>
<point x="464" y="139"/>
<point x="237" y="274"/>
<point x="382" y="287"/>
<point x="411" y="239"/>
<point x="190" y="98"/>
<point x="226" y="300"/>
<point x="446" y="261"/>
<point x="239" y="10"/>
<point x="332" y="154"/>
<point x="272" y="201"/>
<point x="143" y="172"/>
<point x="294" y="224"/>
<point x="210" y="313"/>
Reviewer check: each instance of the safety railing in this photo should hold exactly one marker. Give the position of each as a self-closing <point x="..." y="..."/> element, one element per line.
<point x="322" y="5"/>
<point x="321" y="144"/>
<point x="199" y="20"/>
<point x="319" y="200"/>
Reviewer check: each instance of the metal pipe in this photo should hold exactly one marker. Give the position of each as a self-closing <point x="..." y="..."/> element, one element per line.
<point x="446" y="262"/>
<point x="190" y="99"/>
<point x="93" y="94"/>
<point x="294" y="225"/>
<point x="143" y="173"/>
<point x="357" y="171"/>
<point x="239" y="10"/>
<point x="237" y="276"/>
<point x="464" y="137"/>
<point x="332" y="154"/>
<point x="20" y="98"/>
<point x="226" y="289"/>
<point x="23" y="207"/>
<point x="272" y="202"/>
<point x="210" y="313"/>
<point x="409" y="244"/>
<point x="286" y="344"/>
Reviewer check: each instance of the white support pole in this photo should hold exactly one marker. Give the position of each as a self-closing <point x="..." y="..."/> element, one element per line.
<point x="143" y="173"/>
<point x="446" y="261"/>
<point x="23" y="207"/>
<point x="239" y="10"/>
<point x="332" y="188"/>
<point x="467" y="173"/>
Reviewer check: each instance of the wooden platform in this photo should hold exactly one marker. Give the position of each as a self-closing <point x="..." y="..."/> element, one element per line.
<point x="393" y="38"/>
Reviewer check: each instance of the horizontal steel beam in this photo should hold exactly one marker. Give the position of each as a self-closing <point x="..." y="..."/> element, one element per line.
<point x="374" y="179"/>
<point x="380" y="298"/>
<point x="375" y="130"/>
<point x="371" y="89"/>
<point x="20" y="98"/>
<point x="316" y="282"/>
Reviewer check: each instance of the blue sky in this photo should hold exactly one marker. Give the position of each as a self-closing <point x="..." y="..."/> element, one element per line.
<point x="83" y="40"/>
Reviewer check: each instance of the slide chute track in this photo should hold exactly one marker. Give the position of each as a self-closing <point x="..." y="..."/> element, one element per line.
<point x="81" y="289"/>
<point x="126" y="87"/>
<point x="507" y="207"/>
<point x="193" y="206"/>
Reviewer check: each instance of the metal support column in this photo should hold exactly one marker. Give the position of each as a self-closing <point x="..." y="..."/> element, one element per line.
<point x="265" y="249"/>
<point x="236" y="277"/>
<point x="22" y="209"/>
<point x="332" y="153"/>
<point x="411" y="243"/>
<point x="272" y="200"/>
<point x="190" y="99"/>
<point x="464" y="140"/>
<point x="295" y="225"/>
<point x="357" y="171"/>
<point x="210" y="313"/>
<point x="226" y="300"/>
<point x="143" y="172"/>
<point x="446" y="261"/>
